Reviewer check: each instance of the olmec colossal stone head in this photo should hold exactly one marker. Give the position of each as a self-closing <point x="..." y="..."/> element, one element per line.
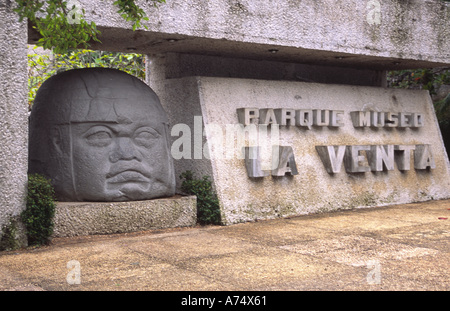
<point x="101" y="135"/>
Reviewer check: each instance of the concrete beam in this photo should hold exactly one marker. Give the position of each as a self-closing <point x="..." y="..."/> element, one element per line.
<point x="381" y="35"/>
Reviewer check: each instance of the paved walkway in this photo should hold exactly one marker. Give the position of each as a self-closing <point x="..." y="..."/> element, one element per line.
<point x="403" y="247"/>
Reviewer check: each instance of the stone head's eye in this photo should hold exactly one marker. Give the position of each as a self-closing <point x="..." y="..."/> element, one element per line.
<point x="146" y="138"/>
<point x="99" y="138"/>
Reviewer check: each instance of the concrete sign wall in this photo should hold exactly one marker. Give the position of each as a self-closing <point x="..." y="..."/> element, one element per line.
<point x="336" y="146"/>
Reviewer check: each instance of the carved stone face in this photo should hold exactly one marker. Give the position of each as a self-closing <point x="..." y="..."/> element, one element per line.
<point x="107" y="137"/>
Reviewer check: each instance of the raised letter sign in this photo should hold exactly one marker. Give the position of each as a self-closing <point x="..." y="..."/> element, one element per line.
<point x="285" y="116"/>
<point x="267" y="116"/>
<point x="253" y="162"/>
<point x="423" y="158"/>
<point x="283" y="162"/>
<point x="381" y="158"/>
<point x="332" y="157"/>
<point x="360" y="118"/>
<point x="246" y="115"/>
<point x="403" y="156"/>
<point x="353" y="159"/>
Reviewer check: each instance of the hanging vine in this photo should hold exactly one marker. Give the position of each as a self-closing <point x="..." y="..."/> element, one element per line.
<point x="61" y="23"/>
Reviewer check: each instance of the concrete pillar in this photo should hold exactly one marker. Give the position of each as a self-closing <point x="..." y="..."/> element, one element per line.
<point x="13" y="121"/>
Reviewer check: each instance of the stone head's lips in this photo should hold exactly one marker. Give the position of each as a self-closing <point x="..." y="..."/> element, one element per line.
<point x="127" y="176"/>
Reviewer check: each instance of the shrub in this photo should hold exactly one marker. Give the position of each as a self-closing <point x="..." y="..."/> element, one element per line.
<point x="40" y="210"/>
<point x="208" y="211"/>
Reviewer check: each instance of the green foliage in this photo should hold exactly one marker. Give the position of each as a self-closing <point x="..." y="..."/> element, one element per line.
<point x="431" y="80"/>
<point x="39" y="70"/>
<point x="62" y="27"/>
<point x="40" y="210"/>
<point x="131" y="63"/>
<point x="427" y="79"/>
<point x="42" y="67"/>
<point x="208" y="210"/>
<point x="131" y="12"/>
<point x="442" y="109"/>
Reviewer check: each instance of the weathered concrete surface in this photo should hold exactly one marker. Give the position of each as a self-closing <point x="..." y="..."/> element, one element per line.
<point x="404" y="247"/>
<point x="214" y="101"/>
<point x="366" y="34"/>
<point x="13" y="115"/>
<point x="85" y="218"/>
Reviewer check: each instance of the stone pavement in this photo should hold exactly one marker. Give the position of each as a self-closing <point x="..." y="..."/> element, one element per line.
<point x="402" y="247"/>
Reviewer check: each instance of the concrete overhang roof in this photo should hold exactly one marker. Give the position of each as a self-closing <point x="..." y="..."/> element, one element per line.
<point x="380" y="35"/>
